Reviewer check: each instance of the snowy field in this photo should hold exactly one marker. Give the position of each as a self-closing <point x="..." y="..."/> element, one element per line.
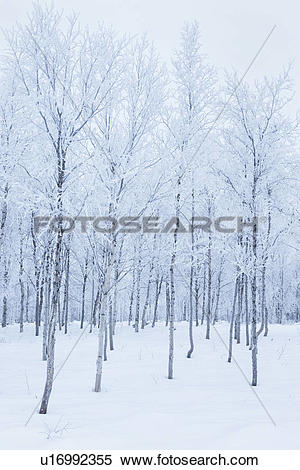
<point x="208" y="405"/>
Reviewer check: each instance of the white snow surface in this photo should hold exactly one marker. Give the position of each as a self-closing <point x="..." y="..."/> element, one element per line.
<point x="208" y="405"/>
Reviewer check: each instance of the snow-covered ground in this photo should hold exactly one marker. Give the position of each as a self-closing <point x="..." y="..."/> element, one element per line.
<point x="208" y="405"/>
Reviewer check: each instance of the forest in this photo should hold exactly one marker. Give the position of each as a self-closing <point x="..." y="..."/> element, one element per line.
<point x="142" y="195"/>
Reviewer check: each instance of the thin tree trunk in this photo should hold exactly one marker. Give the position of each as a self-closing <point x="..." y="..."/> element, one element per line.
<point x="85" y="276"/>
<point x="239" y="308"/>
<point x="157" y="294"/>
<point x="254" y="308"/>
<point x="105" y="342"/>
<point x="94" y="310"/>
<point x="21" y="283"/>
<point x="110" y="324"/>
<point x="66" y="291"/>
<point x="138" y="293"/>
<point x="191" y="349"/>
<point x="27" y="302"/>
<point x="172" y="286"/>
<point x="130" y="316"/>
<point x="196" y="288"/>
<point x="232" y="320"/>
<point x="204" y="293"/>
<point x="5" y="304"/>
<point x="215" y="319"/>
<point x="146" y="305"/>
<point x="209" y="278"/>
<point x="167" y="303"/>
<point x="48" y="269"/>
<point x="247" y="312"/>
<point x="102" y="325"/>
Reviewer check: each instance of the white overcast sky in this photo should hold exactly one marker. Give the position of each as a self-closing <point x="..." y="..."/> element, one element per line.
<point x="232" y="30"/>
